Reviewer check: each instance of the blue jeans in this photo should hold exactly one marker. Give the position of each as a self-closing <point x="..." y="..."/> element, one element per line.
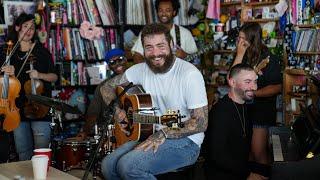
<point x="126" y="163"/>
<point x="31" y="135"/>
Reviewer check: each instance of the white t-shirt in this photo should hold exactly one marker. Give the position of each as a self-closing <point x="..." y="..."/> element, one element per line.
<point x="186" y="39"/>
<point x="181" y="88"/>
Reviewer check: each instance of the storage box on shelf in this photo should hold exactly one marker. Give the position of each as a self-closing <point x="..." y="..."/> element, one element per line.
<point x="261" y="12"/>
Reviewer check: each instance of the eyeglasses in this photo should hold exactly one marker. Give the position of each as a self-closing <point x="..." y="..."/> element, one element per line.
<point x="117" y="60"/>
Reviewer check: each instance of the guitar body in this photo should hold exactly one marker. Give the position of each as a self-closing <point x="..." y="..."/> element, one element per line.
<point x="132" y="101"/>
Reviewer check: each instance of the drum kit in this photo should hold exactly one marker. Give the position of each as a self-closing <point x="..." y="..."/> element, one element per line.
<point x="70" y="154"/>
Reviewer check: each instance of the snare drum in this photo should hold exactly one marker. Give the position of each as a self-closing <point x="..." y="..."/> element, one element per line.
<point x="73" y="154"/>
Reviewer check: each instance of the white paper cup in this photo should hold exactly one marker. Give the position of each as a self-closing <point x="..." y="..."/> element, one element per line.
<point x="39" y="166"/>
<point x="44" y="151"/>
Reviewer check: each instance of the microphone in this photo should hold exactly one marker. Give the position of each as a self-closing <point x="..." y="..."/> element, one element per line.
<point x="116" y="100"/>
<point x="126" y="88"/>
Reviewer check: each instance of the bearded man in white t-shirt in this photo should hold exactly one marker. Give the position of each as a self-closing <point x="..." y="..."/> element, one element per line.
<point x="172" y="84"/>
<point x="183" y="40"/>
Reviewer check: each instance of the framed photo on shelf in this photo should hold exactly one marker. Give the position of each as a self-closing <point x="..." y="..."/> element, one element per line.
<point x="12" y="9"/>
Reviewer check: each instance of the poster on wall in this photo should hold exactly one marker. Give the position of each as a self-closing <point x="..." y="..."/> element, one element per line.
<point x="12" y="9"/>
<point x="3" y="34"/>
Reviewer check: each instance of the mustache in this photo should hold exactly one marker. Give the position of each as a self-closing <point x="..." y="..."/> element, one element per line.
<point x="159" y="56"/>
<point x="249" y="91"/>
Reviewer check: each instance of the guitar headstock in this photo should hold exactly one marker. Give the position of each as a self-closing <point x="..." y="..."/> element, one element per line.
<point x="262" y="65"/>
<point x="172" y="119"/>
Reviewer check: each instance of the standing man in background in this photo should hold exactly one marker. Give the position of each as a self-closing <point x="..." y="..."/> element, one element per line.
<point x="183" y="42"/>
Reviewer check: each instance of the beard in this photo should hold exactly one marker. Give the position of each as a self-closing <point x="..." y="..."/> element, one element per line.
<point x="243" y="94"/>
<point x="169" y="59"/>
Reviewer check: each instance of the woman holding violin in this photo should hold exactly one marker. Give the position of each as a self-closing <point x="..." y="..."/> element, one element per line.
<point x="31" y="133"/>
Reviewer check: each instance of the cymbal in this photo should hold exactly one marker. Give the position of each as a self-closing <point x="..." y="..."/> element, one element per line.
<point x="57" y="104"/>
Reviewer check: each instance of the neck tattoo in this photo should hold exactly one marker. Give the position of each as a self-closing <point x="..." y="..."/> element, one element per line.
<point x="242" y="119"/>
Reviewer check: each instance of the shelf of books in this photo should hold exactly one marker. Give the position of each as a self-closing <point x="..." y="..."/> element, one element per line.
<point x="80" y="32"/>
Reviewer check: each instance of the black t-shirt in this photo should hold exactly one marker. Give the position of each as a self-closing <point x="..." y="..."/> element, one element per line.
<point x="263" y="109"/>
<point x="228" y="150"/>
<point x="97" y="106"/>
<point x="42" y="64"/>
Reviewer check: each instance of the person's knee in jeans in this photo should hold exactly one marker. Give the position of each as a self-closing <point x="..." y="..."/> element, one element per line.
<point x="41" y="134"/>
<point x="107" y="166"/>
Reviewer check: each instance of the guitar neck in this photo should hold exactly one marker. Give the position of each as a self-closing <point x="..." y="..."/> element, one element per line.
<point x="146" y="119"/>
<point x="205" y="49"/>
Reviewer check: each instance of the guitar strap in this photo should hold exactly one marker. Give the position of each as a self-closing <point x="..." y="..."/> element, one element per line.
<point x="177" y="31"/>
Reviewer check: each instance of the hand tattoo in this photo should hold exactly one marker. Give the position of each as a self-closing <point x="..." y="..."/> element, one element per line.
<point x="197" y="123"/>
<point x="154" y="141"/>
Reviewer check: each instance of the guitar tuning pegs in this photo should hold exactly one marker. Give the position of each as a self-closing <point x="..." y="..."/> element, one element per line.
<point x="169" y="111"/>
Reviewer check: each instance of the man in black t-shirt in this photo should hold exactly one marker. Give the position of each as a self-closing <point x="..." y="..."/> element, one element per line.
<point x="229" y="131"/>
<point x="117" y="62"/>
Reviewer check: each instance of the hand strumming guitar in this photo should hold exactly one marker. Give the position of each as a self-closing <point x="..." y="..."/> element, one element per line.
<point x="153" y="142"/>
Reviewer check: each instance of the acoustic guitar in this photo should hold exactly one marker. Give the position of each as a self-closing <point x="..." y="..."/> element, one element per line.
<point x="140" y="115"/>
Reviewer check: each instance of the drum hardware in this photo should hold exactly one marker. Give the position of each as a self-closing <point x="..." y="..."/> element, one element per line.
<point x="96" y="133"/>
<point x="73" y="154"/>
<point x="109" y="113"/>
<point x="109" y="144"/>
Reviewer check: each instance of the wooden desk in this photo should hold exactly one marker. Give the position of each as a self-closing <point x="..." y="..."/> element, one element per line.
<point x="24" y="168"/>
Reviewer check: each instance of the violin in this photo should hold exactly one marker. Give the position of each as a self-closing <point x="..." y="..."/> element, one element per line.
<point x="9" y="90"/>
<point x="33" y="110"/>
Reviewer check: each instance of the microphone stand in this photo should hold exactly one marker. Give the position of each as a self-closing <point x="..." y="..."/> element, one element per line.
<point x="109" y="113"/>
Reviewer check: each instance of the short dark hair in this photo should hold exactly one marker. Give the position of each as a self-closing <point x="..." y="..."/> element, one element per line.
<point x="235" y="70"/>
<point x="155" y="28"/>
<point x="175" y="4"/>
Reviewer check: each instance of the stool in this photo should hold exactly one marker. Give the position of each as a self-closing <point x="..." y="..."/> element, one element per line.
<point x="183" y="173"/>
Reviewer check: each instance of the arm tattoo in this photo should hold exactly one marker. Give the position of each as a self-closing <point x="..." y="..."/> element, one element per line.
<point x="197" y="123"/>
<point x="108" y="89"/>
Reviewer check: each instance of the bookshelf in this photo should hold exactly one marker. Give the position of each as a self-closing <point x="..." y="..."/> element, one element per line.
<point x="237" y="12"/>
<point x="77" y="49"/>
<point x="302" y="55"/>
<point x="234" y="3"/>
<point x="298" y="93"/>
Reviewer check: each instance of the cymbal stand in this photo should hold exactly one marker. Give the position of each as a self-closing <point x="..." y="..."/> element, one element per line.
<point x="54" y="115"/>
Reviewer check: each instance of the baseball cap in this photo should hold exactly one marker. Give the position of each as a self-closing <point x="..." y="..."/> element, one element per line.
<point x="112" y="53"/>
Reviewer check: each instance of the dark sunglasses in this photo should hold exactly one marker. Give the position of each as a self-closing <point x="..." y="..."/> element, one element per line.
<point x="117" y="60"/>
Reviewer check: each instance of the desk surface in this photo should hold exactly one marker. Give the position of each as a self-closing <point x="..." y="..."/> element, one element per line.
<point x="24" y="168"/>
